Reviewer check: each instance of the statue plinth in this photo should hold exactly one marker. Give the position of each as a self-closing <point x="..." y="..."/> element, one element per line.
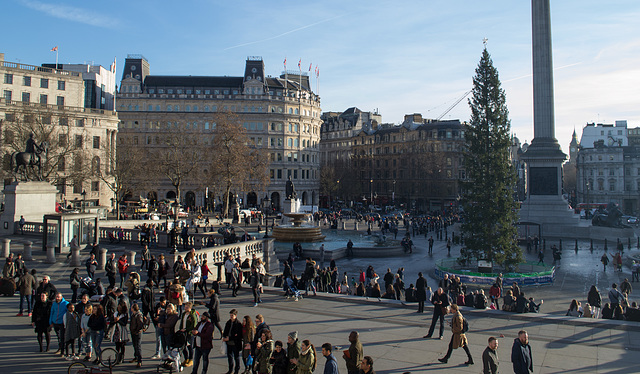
<point x="32" y="200"/>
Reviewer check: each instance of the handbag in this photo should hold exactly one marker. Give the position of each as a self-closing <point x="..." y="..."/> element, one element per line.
<point x="445" y="310"/>
<point x="249" y="360"/>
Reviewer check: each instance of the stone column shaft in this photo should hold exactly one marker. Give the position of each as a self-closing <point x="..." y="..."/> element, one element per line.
<point x="543" y="102"/>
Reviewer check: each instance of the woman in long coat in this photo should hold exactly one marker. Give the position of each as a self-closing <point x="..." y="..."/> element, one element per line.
<point x="458" y="339"/>
<point x="40" y="320"/>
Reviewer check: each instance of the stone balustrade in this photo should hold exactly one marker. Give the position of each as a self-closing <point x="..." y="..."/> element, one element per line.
<point x="200" y="240"/>
<point x="262" y="248"/>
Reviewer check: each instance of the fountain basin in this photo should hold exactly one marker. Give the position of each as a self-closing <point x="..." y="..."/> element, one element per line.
<point x="298" y="234"/>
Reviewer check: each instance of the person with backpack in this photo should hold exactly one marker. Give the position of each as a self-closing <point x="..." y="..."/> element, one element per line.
<point x="188" y="322"/>
<point x="459" y="326"/>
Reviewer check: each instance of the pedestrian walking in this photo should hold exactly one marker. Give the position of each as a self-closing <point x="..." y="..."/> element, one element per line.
<point x="458" y="339"/>
<point x="521" y="354"/>
<point x="490" y="361"/>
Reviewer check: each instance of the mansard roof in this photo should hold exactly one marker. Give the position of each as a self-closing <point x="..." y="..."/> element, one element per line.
<point x="191" y="81"/>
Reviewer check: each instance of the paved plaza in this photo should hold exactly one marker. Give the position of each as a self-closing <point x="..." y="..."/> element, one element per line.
<point x="390" y="331"/>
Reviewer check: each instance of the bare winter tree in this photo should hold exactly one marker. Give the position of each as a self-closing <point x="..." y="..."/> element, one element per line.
<point x="237" y="162"/>
<point x="124" y="171"/>
<point x="179" y="157"/>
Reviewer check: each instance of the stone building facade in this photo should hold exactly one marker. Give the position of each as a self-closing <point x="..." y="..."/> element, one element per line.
<point x="417" y="164"/>
<point x="339" y="129"/>
<point x="608" y="170"/>
<point x="280" y="114"/>
<point x="55" y="99"/>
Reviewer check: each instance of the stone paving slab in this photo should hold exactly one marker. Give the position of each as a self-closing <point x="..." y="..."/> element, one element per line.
<point x="391" y="335"/>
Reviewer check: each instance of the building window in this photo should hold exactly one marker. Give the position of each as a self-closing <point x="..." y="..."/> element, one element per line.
<point x="63" y="121"/>
<point x="60" y="101"/>
<point x="95" y="186"/>
<point x="96" y="142"/>
<point x="26" y="81"/>
<point x="7" y="95"/>
<point x="77" y="187"/>
<point x="44" y="99"/>
<point x="79" y="122"/>
<point x="26" y="97"/>
<point x="61" y="85"/>
<point x="8" y="78"/>
<point x="78" y="141"/>
<point x="61" y="164"/>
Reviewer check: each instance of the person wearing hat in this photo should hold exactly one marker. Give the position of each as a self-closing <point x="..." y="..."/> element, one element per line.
<point x="232" y="335"/>
<point x="293" y="350"/>
<point x="203" y="342"/>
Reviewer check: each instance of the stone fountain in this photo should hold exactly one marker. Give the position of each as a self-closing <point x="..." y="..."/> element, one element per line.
<point x="296" y="229"/>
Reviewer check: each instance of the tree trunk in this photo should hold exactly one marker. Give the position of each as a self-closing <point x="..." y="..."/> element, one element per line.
<point x="227" y="192"/>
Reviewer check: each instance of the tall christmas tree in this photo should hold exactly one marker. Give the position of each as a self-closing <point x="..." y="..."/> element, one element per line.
<point x="490" y="210"/>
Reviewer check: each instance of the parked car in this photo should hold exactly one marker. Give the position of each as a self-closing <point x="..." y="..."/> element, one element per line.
<point x="631" y="220"/>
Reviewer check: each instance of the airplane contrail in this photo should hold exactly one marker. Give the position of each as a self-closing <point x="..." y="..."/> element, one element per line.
<point x="529" y="75"/>
<point x="284" y="33"/>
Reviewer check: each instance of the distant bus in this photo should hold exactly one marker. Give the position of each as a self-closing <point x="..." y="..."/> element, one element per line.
<point x="582" y="208"/>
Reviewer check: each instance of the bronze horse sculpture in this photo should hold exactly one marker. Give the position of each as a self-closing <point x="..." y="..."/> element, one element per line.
<point x="30" y="161"/>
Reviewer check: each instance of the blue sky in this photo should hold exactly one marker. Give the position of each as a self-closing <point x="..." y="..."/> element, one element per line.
<point x="395" y="56"/>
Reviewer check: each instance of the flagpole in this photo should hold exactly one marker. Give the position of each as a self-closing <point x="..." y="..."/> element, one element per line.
<point x="56" y="57"/>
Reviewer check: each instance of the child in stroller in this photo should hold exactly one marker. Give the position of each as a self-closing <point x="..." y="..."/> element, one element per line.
<point x="290" y="289"/>
<point x="172" y="358"/>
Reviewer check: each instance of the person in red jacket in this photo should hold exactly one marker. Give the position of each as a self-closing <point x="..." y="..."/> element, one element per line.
<point x="203" y="342"/>
<point x="123" y="265"/>
<point x="495" y="293"/>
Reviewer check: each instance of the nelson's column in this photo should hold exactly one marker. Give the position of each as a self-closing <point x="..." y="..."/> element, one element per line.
<point x="544" y="204"/>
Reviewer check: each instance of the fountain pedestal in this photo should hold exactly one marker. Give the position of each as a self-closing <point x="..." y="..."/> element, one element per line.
<point x="296" y="231"/>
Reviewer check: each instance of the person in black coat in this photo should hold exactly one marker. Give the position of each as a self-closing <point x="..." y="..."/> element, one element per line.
<point x="40" y="320"/>
<point x="522" y="304"/>
<point x="521" y="357"/>
<point x="214" y="308"/>
<point x="148" y="298"/>
<point x="421" y="292"/>
<point x="440" y="301"/>
<point x="232" y="335"/>
<point x="74" y="281"/>
<point x="152" y="270"/>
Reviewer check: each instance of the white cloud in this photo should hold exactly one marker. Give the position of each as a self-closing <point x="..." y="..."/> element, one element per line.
<point x="71" y="13"/>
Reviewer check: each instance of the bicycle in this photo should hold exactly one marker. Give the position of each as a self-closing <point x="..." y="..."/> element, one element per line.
<point x="109" y="357"/>
<point x="81" y="368"/>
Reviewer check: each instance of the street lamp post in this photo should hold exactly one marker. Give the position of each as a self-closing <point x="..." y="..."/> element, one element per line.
<point x="338" y="190"/>
<point x="84" y="195"/>
<point x="393" y="196"/>
<point x="371" y="194"/>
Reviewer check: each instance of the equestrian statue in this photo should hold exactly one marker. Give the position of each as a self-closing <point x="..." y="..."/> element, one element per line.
<point x="30" y="160"/>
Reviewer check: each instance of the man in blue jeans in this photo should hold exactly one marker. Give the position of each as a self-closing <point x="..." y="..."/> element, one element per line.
<point x="26" y="284"/>
<point x="56" y="320"/>
<point x="203" y="342"/>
